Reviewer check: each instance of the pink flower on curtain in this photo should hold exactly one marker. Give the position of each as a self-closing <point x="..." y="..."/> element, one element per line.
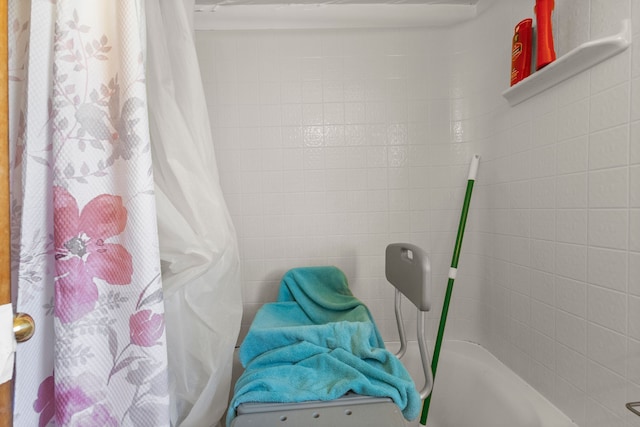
<point x="145" y="328"/>
<point x="98" y="416"/>
<point x="81" y="405"/>
<point x="70" y="400"/>
<point x="83" y="254"/>
<point x="45" y="403"/>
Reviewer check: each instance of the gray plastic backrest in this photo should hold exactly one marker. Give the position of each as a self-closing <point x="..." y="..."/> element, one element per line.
<point x="407" y="267"/>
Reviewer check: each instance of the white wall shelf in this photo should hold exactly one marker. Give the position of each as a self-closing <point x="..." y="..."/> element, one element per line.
<point x="579" y="59"/>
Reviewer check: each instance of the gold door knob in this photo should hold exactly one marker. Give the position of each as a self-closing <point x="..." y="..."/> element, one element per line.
<point x="23" y="327"/>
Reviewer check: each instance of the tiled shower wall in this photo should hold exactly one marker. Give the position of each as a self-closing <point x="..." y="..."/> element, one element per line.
<point x="562" y="225"/>
<point x="332" y="144"/>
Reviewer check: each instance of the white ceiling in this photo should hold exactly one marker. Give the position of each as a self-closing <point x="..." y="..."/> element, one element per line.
<point x="331" y="14"/>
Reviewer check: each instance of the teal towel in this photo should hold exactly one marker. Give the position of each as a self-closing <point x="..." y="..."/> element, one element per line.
<point x="318" y="342"/>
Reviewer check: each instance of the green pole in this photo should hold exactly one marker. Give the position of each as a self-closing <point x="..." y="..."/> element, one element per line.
<point x="452" y="275"/>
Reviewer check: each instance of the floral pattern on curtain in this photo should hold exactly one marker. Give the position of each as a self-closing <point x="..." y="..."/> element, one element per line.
<point x="84" y="234"/>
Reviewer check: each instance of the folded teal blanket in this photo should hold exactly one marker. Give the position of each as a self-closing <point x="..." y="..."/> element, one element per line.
<point x="318" y="342"/>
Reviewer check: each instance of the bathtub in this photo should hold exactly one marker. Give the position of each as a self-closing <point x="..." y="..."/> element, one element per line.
<point x="474" y="389"/>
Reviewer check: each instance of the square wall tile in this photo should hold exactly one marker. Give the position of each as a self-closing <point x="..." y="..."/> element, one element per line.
<point x="634" y="143"/>
<point x="543" y="162"/>
<point x="543" y="318"/>
<point x="544" y="350"/>
<point x="606" y="387"/>
<point x="573" y="155"/>
<point x="609" y="108"/>
<point x="605" y="16"/>
<point x="571" y="226"/>
<point x="543" y="377"/>
<point x="544" y="193"/>
<point x="573" y="119"/>
<point x="634" y="229"/>
<point x="571" y="331"/>
<point x="635" y="56"/>
<point x="634" y="317"/>
<point x="609" y="148"/>
<point x="633" y="361"/>
<point x="635" y="99"/>
<point x="634" y="273"/>
<point x="572" y="25"/>
<point x="571" y="261"/>
<point x="571" y="296"/>
<point x="571" y="366"/>
<point x="635" y="16"/>
<point x="543" y="224"/>
<point x="634" y="186"/>
<point x="608" y="188"/>
<point x="543" y="287"/>
<point x="611" y="72"/>
<point x="571" y="400"/>
<point x="599" y="415"/>
<point x="607" y="308"/>
<point x="577" y="87"/>
<point x="543" y="255"/>
<point x="571" y="191"/>
<point x="607" y="268"/>
<point x="607" y="348"/>
<point x="608" y="228"/>
<point x="544" y="130"/>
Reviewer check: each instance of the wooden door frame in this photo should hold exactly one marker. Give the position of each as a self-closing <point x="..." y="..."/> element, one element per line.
<point x="6" y="401"/>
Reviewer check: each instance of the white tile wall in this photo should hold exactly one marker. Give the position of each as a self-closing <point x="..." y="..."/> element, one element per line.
<point x="328" y="151"/>
<point x="332" y="144"/>
<point x="591" y="227"/>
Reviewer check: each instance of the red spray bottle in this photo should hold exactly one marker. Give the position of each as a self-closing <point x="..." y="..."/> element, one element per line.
<point x="546" y="52"/>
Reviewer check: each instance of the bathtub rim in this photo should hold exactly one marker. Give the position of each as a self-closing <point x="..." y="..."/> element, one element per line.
<point x="547" y="413"/>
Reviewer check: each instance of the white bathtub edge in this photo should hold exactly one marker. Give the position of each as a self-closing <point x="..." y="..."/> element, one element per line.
<point x="549" y="415"/>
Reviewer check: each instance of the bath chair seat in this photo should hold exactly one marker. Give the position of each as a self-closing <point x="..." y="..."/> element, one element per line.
<point x="407" y="267"/>
<point x="351" y="410"/>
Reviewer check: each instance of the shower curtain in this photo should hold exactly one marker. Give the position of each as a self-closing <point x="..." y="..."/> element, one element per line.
<point x="83" y="218"/>
<point x="94" y="237"/>
<point x="198" y="244"/>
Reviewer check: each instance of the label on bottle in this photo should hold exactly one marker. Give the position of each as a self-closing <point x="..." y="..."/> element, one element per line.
<point x="521" y="51"/>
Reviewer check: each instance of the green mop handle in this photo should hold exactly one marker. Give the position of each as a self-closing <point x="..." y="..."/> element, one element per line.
<point x="473" y="171"/>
